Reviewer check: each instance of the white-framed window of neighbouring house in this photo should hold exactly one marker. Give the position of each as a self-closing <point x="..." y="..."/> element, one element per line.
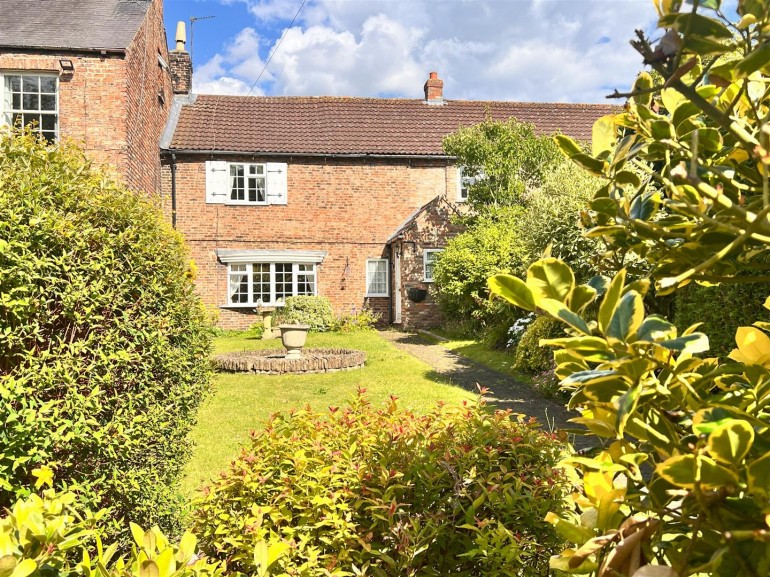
<point x="429" y="256"/>
<point x="31" y="99"/>
<point x="269" y="283"/>
<point x="464" y="182"/>
<point x="377" y="277"/>
<point x="246" y="183"/>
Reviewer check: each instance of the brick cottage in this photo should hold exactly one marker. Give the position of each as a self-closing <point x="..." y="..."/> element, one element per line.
<point x="349" y="198"/>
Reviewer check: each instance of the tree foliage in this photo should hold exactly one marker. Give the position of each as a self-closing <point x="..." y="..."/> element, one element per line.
<point x="681" y="483"/>
<point x="103" y="345"/>
<point x="505" y="159"/>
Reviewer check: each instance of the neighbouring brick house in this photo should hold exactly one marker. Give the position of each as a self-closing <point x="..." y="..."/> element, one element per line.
<point x="348" y="198"/>
<point x="95" y="71"/>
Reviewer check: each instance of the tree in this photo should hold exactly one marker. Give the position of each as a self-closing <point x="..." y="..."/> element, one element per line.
<point x="502" y="159"/>
<point x="682" y="479"/>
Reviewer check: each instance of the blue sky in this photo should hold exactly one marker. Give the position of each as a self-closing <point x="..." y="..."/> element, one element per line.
<point x="528" y="50"/>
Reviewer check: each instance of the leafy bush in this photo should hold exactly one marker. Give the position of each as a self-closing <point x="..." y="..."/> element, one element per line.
<point x="364" y="320"/>
<point x="491" y="245"/>
<point x="530" y="356"/>
<point x="682" y="484"/>
<point x="104" y="346"/>
<point x="49" y="535"/>
<point x="386" y="492"/>
<point x="313" y="311"/>
<point x="721" y="309"/>
<point x="552" y="219"/>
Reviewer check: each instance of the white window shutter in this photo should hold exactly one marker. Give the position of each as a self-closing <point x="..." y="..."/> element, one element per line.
<point x="459" y="183"/>
<point x="217" y="178"/>
<point x="277" y="190"/>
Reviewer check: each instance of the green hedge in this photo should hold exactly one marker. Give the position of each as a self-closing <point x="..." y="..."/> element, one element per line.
<point x="314" y="311"/>
<point x="104" y="345"/>
<point x="721" y="309"/>
<point x="461" y="491"/>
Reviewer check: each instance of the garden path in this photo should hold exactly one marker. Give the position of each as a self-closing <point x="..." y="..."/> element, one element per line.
<point x="504" y="391"/>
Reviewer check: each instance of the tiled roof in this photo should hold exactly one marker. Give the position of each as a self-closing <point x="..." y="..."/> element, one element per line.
<point x="378" y="126"/>
<point x="71" y="24"/>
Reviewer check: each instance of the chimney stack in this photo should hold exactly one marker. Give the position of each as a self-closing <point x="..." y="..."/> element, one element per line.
<point x="180" y="63"/>
<point x="434" y="89"/>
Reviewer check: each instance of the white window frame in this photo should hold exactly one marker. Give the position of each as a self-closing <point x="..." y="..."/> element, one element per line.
<point x="426" y="261"/>
<point x="311" y="269"/>
<point x="6" y="108"/>
<point x="370" y="273"/>
<point x="465" y="182"/>
<point x="246" y="167"/>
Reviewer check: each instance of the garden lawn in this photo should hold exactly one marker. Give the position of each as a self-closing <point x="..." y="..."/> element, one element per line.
<point x="242" y="402"/>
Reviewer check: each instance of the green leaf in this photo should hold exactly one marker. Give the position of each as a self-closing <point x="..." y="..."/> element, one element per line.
<point x="7" y="565"/>
<point x="687" y="470"/>
<point x="550" y="278"/>
<point x="610" y="301"/>
<point x="558" y="310"/>
<point x="694" y="23"/>
<point x="691" y="344"/>
<point x="603" y="134"/>
<point x="572" y="532"/>
<point x="626" y="406"/>
<point x="757" y="59"/>
<point x="759" y="476"/>
<point x="593" y="165"/>
<point x="643" y="206"/>
<point x="731" y="442"/>
<point x="581" y="297"/>
<point x="149" y="569"/>
<point x="24" y="568"/>
<point x="627" y="317"/>
<point x="627" y="177"/>
<point x="137" y="533"/>
<point x="655" y="328"/>
<point x="706" y="46"/>
<point x="512" y="289"/>
<point x="567" y="145"/>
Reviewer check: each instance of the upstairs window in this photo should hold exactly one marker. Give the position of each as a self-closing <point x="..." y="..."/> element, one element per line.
<point x="429" y="262"/>
<point x="464" y="182"/>
<point x="245" y="183"/>
<point x="31" y="99"/>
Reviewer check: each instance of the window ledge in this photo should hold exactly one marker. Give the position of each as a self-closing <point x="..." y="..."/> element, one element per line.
<point x="368" y="296"/>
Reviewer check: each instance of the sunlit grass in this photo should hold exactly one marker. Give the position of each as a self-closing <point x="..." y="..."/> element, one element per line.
<point x="242" y="402"/>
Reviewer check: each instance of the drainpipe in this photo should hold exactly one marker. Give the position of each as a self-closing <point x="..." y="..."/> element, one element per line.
<point x="173" y="190"/>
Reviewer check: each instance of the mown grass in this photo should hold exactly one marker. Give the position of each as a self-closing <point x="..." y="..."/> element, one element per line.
<point x="242" y="402"/>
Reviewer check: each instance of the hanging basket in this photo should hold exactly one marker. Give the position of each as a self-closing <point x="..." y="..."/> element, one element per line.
<point x="417" y="295"/>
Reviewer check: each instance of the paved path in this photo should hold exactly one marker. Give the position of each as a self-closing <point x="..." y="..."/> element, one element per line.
<point x="505" y="392"/>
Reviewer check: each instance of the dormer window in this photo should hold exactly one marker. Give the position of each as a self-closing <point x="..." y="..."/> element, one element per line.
<point x="31" y="99"/>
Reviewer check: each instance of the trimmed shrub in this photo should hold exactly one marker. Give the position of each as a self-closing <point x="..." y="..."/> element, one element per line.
<point x="530" y="356"/>
<point x="721" y="309"/>
<point x="307" y="310"/>
<point x="104" y="345"/>
<point x="459" y="491"/>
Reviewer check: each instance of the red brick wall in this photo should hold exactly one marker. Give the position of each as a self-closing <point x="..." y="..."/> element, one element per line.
<point x="146" y="111"/>
<point x="92" y="101"/>
<point x="109" y="104"/>
<point x="348" y="208"/>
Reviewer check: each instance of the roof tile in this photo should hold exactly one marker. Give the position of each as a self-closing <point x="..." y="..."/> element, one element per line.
<point x="377" y="126"/>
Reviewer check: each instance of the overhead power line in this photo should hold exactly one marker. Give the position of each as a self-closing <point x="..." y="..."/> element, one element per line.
<point x="277" y="46"/>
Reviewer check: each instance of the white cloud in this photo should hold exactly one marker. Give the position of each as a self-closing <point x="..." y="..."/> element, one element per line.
<point x="538" y="50"/>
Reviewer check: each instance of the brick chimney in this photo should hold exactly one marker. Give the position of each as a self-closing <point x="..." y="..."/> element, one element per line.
<point x="434" y="89"/>
<point x="180" y="63"/>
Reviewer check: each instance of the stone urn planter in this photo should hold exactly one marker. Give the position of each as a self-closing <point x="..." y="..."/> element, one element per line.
<point x="293" y="338"/>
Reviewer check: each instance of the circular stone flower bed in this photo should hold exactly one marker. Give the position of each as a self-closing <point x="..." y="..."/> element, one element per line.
<point x="274" y="361"/>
